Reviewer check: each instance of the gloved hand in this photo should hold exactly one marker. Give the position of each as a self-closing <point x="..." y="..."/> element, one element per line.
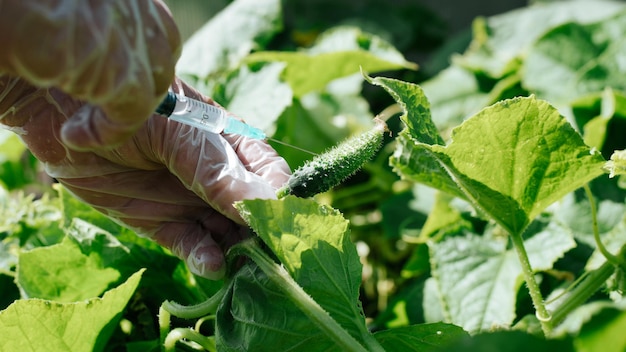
<point x="170" y="182"/>
<point x="118" y="56"/>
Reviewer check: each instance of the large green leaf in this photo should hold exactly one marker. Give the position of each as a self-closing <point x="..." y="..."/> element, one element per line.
<point x="313" y="243"/>
<point x="127" y="253"/>
<point x="90" y="259"/>
<point x="476" y="278"/>
<point x="256" y="315"/>
<point x="574" y="59"/>
<point x="228" y="37"/>
<point x="511" y="160"/>
<point x="338" y="52"/>
<point x="307" y="72"/>
<point x="41" y="325"/>
<point x="516" y="157"/>
<point x="63" y="273"/>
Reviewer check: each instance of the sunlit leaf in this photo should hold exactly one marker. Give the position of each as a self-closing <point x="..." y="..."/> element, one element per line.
<point x="311" y="72"/>
<point x="63" y="273"/>
<point x="313" y="243"/>
<point x="41" y="325"/>
<point x="511" y="160"/>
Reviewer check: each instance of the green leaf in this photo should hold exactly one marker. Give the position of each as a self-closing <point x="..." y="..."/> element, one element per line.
<point x="243" y="26"/>
<point x="259" y="97"/>
<point x="63" y="273"/>
<point x="414" y="161"/>
<point x="604" y="332"/>
<point x="416" y="108"/>
<point x="40" y="325"/>
<point x="256" y="314"/>
<point x="312" y="72"/>
<point x="166" y="276"/>
<point x="511" y="160"/>
<point x="517" y="157"/>
<point x="510" y="341"/>
<point x="338" y="52"/>
<point x="313" y="243"/>
<point x="574" y="59"/>
<point x="476" y="278"/>
<point x="423" y="337"/>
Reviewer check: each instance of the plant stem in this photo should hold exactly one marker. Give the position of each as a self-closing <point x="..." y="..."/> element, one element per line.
<point x="196" y="311"/>
<point x="596" y="232"/>
<point x="191" y="335"/>
<point x="535" y="294"/>
<point x="164" y="324"/>
<point x="301" y="299"/>
<point x="590" y="285"/>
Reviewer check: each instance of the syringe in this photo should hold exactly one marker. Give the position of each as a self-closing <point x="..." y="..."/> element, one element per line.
<point x="204" y="116"/>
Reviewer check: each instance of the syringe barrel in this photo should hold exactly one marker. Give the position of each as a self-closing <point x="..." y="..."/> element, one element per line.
<point x="198" y="114"/>
<point x="204" y="116"/>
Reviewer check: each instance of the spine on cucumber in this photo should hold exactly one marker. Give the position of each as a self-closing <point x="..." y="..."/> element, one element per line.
<point x="329" y="169"/>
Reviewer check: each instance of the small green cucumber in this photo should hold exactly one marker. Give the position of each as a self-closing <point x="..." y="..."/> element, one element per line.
<point x="329" y="169"/>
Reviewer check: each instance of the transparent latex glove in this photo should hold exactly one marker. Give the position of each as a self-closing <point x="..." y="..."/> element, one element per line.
<point x="170" y="182"/>
<point x="118" y="56"/>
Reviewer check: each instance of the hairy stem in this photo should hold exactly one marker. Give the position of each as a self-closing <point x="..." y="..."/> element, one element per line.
<point x="535" y="294"/>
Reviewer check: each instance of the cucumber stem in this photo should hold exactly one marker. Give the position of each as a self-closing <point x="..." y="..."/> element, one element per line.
<point x="596" y="232"/>
<point x="533" y="288"/>
<point x="196" y="311"/>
